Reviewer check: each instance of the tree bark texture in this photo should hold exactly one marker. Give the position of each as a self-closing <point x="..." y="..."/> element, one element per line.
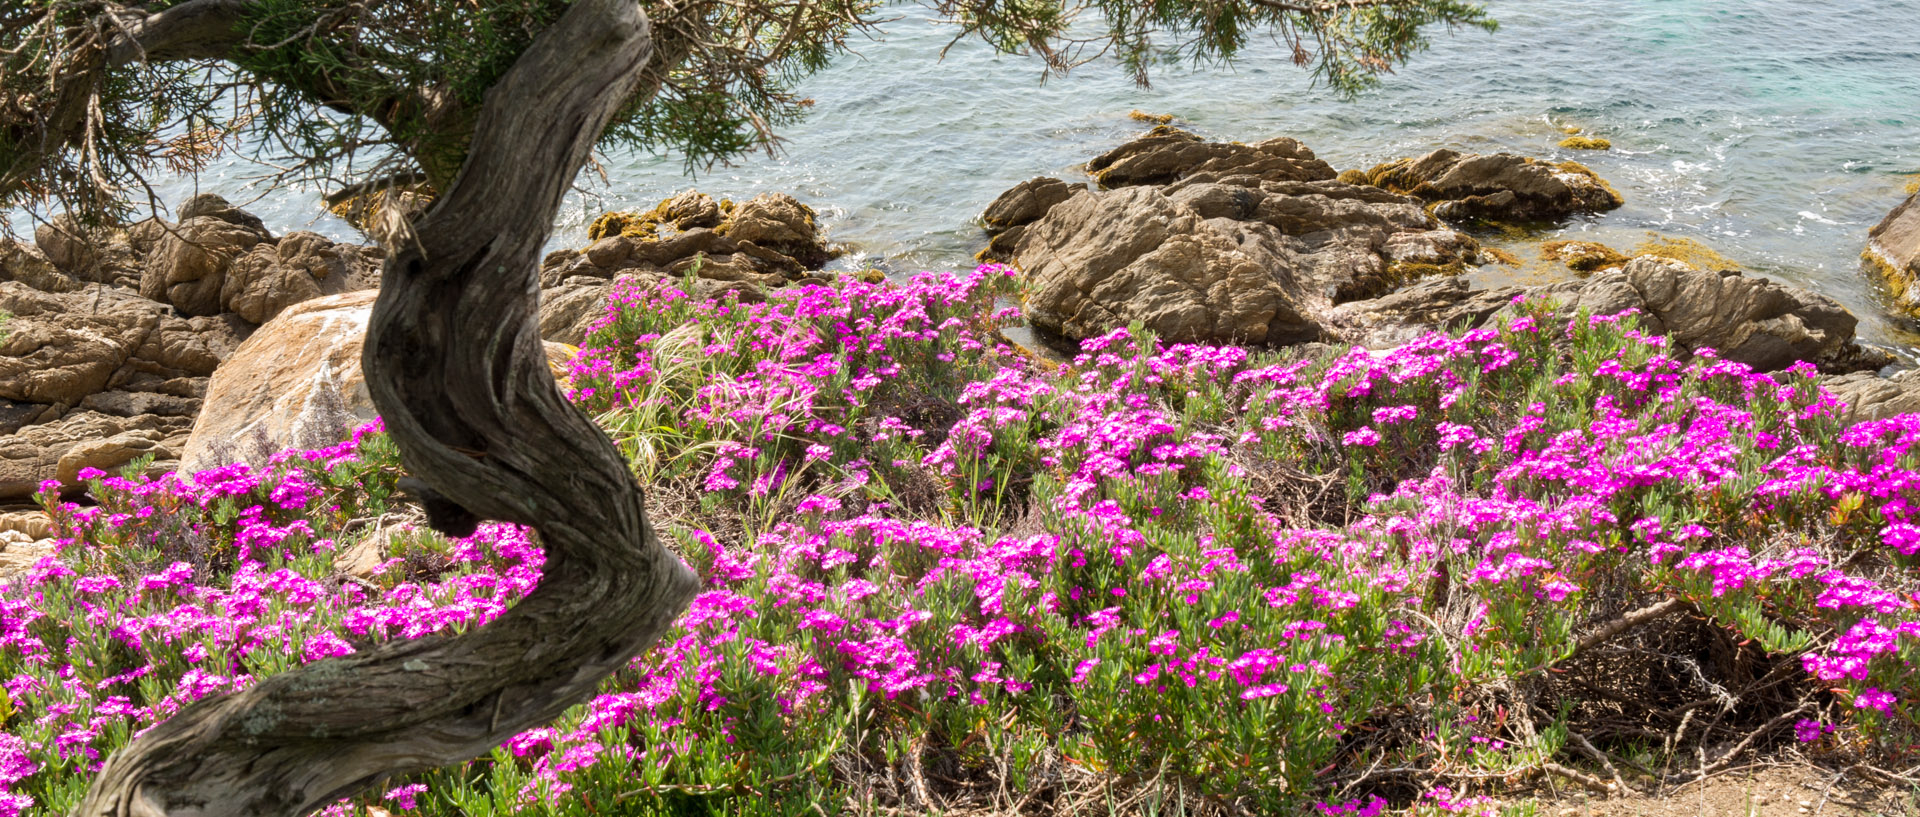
<point x="454" y="364"/>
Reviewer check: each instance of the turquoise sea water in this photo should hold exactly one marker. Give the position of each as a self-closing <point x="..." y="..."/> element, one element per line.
<point x="1775" y="131"/>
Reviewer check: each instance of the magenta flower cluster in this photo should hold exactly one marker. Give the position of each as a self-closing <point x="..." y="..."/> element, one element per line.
<point x="1213" y="562"/>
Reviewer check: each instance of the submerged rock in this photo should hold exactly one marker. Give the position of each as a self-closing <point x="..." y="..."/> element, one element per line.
<point x="1497" y="186"/>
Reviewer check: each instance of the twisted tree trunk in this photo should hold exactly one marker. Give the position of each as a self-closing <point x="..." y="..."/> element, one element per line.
<point x="454" y="364"/>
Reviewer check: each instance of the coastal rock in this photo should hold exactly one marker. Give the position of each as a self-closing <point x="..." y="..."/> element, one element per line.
<point x="188" y="266"/>
<point x="136" y="403"/>
<point x="1496" y="187"/>
<point x="111" y="453"/>
<point x="84" y="367"/>
<point x="301" y="266"/>
<point x="16" y="415"/>
<point x="98" y="255"/>
<point x="1871" y="397"/>
<point x="18" y="554"/>
<point x="26" y="265"/>
<point x="1165" y="156"/>
<point x="1751" y="320"/>
<point x="31" y="525"/>
<point x="61" y="347"/>
<point x="1214" y="242"/>
<point x="770" y="240"/>
<point x="692" y="208"/>
<point x="296" y="383"/>
<point x="1893" y="254"/>
<point x="1098" y="262"/>
<point x="1450" y="304"/>
<point x="780" y="222"/>
<point x="1027" y="202"/>
<point x="209" y="205"/>
<point x="37" y="452"/>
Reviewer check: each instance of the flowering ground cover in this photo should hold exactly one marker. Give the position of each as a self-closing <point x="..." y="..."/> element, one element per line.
<point x="945" y="573"/>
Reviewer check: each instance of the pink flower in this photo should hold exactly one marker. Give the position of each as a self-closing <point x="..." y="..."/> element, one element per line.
<point x="1362" y="437"/>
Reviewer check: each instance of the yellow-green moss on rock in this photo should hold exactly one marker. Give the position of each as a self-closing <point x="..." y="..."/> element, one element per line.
<point x="1586" y="143"/>
<point x="1495" y="255"/>
<point x="1582" y="256"/>
<point x="1686" y="251"/>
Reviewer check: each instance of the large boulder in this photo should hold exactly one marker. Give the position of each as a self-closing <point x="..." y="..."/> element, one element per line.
<point x="96" y="255"/>
<point x="1167" y="155"/>
<point x="220" y="260"/>
<point x="1749" y="319"/>
<point x="295" y="383"/>
<point x="1213" y="242"/>
<point x="779" y="222"/>
<point x="1497" y="187"/>
<point x="1102" y="261"/>
<point x="1893" y="255"/>
<point x="1871" y="397"/>
<point x="1027" y="202"/>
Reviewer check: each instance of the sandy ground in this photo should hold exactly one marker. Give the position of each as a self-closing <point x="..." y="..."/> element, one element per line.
<point x="1775" y="791"/>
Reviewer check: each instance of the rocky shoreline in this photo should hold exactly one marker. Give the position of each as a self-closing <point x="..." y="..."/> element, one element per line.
<point x="193" y="344"/>
<point x="1265" y="244"/>
<point x="206" y="341"/>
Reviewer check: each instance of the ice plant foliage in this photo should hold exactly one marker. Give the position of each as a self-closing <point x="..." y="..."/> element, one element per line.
<point x="1227" y="569"/>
